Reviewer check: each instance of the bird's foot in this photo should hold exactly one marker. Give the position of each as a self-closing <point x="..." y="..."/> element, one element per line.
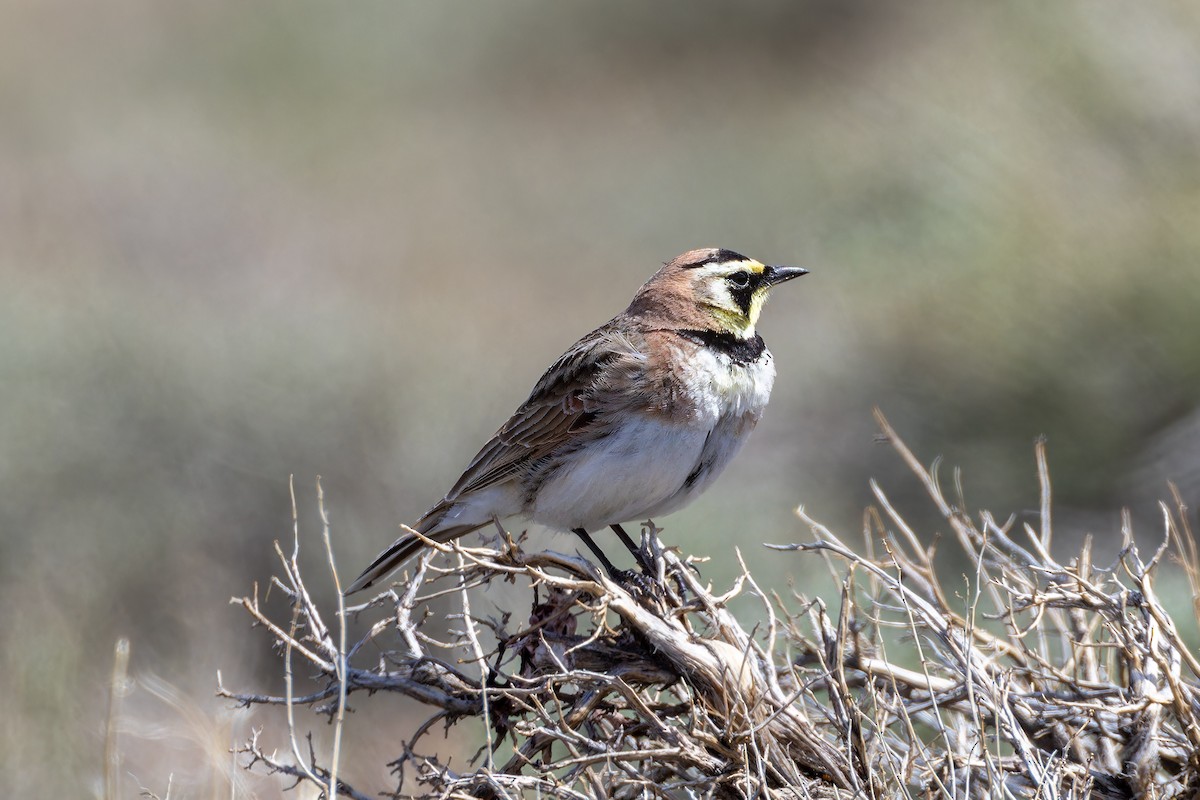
<point x="639" y="584"/>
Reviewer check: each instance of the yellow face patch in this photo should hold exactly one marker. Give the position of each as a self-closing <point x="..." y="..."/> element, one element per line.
<point x="759" y="298"/>
<point x="734" y="293"/>
<point x="757" y="301"/>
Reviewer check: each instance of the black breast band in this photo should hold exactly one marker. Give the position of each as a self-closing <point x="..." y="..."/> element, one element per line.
<point x="739" y="350"/>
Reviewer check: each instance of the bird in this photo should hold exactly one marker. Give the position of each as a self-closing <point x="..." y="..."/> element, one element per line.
<point x="632" y="422"/>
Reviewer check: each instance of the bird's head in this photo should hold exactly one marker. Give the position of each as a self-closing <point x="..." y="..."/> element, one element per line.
<point x="712" y="289"/>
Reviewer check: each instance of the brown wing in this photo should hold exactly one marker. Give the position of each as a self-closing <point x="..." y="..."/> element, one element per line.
<point x="596" y="375"/>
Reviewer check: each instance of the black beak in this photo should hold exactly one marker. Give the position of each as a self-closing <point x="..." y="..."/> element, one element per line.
<point x="774" y="275"/>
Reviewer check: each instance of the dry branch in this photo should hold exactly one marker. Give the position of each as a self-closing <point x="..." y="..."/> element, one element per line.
<point x="1045" y="679"/>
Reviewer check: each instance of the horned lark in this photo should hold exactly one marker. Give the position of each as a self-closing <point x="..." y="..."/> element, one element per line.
<point x="634" y="421"/>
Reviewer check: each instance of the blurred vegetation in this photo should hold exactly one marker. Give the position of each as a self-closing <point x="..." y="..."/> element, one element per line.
<point x="242" y="242"/>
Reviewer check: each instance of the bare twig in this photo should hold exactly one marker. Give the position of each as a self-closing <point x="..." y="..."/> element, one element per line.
<point x="117" y="688"/>
<point x="1026" y="678"/>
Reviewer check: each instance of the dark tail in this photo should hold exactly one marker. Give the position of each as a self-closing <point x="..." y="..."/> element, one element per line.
<point x="406" y="547"/>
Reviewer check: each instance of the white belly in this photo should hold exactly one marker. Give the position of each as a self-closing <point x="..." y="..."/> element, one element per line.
<point x="631" y="474"/>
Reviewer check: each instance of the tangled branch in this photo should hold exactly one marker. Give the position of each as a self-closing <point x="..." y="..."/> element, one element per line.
<point x="1049" y="679"/>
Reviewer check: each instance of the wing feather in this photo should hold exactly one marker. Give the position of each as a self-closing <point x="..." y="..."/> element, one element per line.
<point x="593" y="377"/>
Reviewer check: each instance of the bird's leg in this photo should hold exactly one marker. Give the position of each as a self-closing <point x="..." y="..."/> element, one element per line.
<point x="637" y="551"/>
<point x="612" y="571"/>
<point x="628" y="542"/>
<point x="642" y="583"/>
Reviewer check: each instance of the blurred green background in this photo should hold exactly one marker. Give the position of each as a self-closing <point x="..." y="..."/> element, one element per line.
<point x="241" y="241"/>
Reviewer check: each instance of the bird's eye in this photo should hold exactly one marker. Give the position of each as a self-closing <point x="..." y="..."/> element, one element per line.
<point x="739" y="280"/>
